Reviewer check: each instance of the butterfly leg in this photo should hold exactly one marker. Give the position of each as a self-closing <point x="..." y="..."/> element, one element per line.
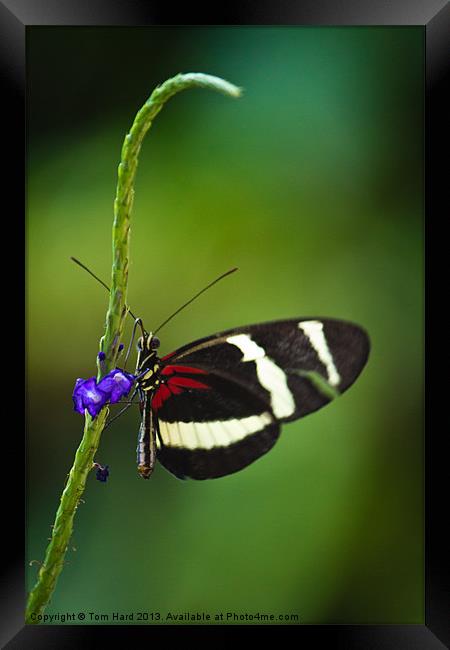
<point x="125" y="408"/>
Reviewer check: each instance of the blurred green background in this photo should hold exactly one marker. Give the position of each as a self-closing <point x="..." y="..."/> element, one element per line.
<point x="312" y="184"/>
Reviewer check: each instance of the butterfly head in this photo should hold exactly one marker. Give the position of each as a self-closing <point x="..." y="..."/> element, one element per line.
<point x="148" y="342"/>
<point x="148" y="345"/>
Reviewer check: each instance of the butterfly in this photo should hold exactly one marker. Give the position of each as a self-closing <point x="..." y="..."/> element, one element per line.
<point x="216" y="405"/>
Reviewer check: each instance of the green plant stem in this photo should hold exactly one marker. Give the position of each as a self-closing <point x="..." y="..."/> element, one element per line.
<point x="53" y="563"/>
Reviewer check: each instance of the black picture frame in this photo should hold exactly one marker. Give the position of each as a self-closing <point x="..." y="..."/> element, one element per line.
<point x="434" y="16"/>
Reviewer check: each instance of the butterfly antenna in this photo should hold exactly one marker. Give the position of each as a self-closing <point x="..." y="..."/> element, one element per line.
<point x="74" y="259"/>
<point x="224" y="275"/>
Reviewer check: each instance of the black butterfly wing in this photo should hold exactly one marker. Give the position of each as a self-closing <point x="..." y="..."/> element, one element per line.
<point x="225" y="394"/>
<point x="214" y="431"/>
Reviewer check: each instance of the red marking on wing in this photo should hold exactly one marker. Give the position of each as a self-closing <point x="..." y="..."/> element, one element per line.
<point x="186" y="382"/>
<point x="160" y="396"/>
<point x="168" y="356"/>
<point x="175" y="386"/>
<point x="175" y="390"/>
<point x="170" y="370"/>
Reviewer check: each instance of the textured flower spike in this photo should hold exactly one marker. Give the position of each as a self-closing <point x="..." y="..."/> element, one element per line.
<point x="89" y="395"/>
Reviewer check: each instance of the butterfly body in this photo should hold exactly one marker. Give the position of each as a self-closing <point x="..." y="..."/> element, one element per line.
<point x="215" y="405"/>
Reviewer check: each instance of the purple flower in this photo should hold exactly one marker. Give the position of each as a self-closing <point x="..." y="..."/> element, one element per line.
<point x="117" y="383"/>
<point x="101" y="472"/>
<point x="89" y="395"/>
